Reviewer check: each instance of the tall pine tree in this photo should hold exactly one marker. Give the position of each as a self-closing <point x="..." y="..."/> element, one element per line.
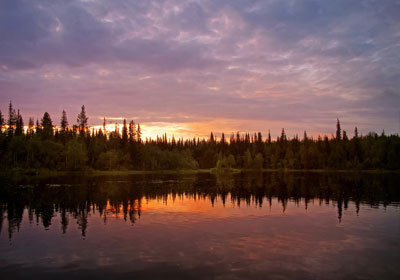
<point x="19" y="125"/>
<point x="338" y="131"/>
<point x="124" y="133"/>
<point x="31" y="126"/>
<point x="64" y="121"/>
<point x="82" y="121"/>
<point x="132" y="131"/>
<point x="11" y="119"/>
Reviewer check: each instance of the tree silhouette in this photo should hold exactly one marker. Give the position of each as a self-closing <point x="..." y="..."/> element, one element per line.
<point x="82" y="121"/>
<point x="104" y="125"/>
<point x="124" y="133"/>
<point x="11" y="119"/>
<point x="19" y="124"/>
<point x="38" y="128"/>
<point x="283" y="136"/>
<point x="212" y="140"/>
<point x="132" y="131"/>
<point x="338" y="131"/>
<point x="64" y="121"/>
<point x="47" y="126"/>
<point x="269" y="137"/>
<point x="31" y="126"/>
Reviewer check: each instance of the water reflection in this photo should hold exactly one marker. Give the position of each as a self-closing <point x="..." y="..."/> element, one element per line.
<point x="75" y="198"/>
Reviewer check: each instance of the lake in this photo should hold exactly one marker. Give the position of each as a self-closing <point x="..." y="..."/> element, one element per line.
<point x="270" y="225"/>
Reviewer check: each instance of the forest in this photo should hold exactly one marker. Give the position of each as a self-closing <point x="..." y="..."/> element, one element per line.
<point x="43" y="145"/>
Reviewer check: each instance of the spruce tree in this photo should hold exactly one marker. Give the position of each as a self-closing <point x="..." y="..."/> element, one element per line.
<point x="223" y="138"/>
<point x="64" y="121"/>
<point x="38" y="127"/>
<point x="124" y="133"/>
<point x="269" y="136"/>
<point x="82" y="121"/>
<point x="47" y="126"/>
<point x="283" y="135"/>
<point x="338" y="131"/>
<point x="19" y="125"/>
<point x="11" y="119"/>
<point x="259" y="137"/>
<point x="132" y="131"/>
<point x="31" y="124"/>
<point x="305" y="137"/>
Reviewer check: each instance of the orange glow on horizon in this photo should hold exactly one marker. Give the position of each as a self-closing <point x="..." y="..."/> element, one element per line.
<point x="202" y="130"/>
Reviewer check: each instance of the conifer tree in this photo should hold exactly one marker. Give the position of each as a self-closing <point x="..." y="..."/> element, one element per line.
<point x="357" y="146"/>
<point x="223" y="138"/>
<point x="269" y="136"/>
<point x="31" y="124"/>
<point x="82" y="121"/>
<point x="139" y="133"/>
<point x="19" y="125"/>
<point x="338" y="131"/>
<point x="64" y="121"/>
<point x="132" y="131"/>
<point x="283" y="135"/>
<point x="47" y="126"/>
<point x="11" y="119"/>
<point x="305" y="138"/>
<point x="38" y="127"/>
<point x="259" y="137"/>
<point x="124" y="133"/>
<point x="173" y="142"/>
<point x="116" y="129"/>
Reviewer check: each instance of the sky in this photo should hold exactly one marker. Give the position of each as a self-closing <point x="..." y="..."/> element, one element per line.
<point x="191" y="67"/>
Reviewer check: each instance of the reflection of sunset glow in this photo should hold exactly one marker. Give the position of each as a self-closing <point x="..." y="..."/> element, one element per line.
<point x="119" y="211"/>
<point x="203" y="206"/>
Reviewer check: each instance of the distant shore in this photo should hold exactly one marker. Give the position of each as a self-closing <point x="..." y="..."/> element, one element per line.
<point x="91" y="172"/>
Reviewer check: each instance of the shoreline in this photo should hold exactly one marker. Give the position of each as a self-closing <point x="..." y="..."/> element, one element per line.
<point x="53" y="173"/>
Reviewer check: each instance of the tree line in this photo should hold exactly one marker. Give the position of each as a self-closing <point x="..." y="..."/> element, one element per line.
<point x="42" y="146"/>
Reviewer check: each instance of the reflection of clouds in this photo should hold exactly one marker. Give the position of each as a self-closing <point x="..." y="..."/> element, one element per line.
<point x="184" y="233"/>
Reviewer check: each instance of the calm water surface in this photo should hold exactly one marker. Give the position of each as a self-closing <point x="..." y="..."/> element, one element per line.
<point x="246" y="226"/>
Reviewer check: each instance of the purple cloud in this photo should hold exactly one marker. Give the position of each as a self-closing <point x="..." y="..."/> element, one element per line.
<point x="267" y="63"/>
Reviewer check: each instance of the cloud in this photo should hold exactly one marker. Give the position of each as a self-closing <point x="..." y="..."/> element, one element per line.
<point x="301" y="62"/>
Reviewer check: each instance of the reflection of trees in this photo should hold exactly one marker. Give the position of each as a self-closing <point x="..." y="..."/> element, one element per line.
<point x="78" y="198"/>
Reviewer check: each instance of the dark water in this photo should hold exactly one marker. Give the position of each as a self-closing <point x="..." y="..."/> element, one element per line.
<point x="246" y="226"/>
